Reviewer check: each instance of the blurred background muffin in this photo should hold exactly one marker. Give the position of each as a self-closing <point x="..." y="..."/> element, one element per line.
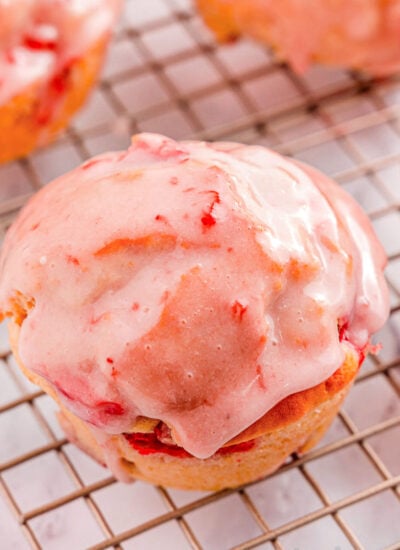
<point x="51" y="52"/>
<point x="357" y="34"/>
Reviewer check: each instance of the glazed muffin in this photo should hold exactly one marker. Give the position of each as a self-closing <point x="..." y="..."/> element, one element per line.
<point x="198" y="311"/>
<point x="51" y="52"/>
<point x="356" y="34"/>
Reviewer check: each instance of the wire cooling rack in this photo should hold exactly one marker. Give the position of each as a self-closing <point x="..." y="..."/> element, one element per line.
<point x="165" y="73"/>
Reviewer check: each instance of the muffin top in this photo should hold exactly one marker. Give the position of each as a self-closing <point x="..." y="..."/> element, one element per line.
<point x="194" y="283"/>
<point x="38" y="37"/>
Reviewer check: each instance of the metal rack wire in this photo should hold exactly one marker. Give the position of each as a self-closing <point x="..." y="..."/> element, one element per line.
<point x="166" y="74"/>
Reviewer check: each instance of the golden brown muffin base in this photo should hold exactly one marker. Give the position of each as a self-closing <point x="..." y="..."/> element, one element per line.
<point x="296" y="424"/>
<point x="23" y="124"/>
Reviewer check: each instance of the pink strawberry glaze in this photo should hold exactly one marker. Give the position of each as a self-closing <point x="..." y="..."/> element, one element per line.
<point x="145" y="307"/>
<point x="40" y="38"/>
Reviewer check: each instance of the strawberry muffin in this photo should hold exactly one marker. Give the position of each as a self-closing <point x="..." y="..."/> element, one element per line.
<point x="357" y="34"/>
<point x="198" y="310"/>
<point x="51" y="52"/>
